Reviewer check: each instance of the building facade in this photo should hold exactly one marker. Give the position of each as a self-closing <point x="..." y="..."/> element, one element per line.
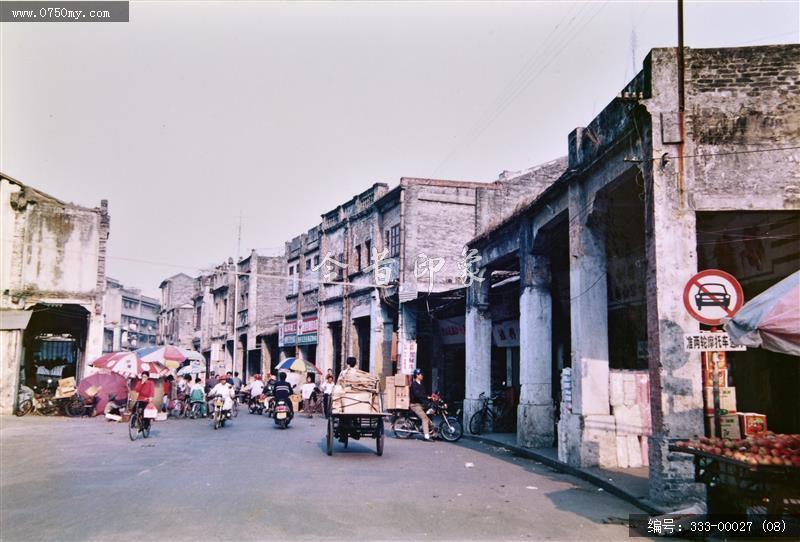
<point x="659" y="186"/>
<point x="176" y="318"/>
<point x="53" y="260"/>
<point x="131" y="319"/>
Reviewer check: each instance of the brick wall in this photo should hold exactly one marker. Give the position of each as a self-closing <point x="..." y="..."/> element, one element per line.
<point x="744" y="99"/>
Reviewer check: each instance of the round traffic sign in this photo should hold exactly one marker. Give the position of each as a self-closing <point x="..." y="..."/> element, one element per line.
<point x="712" y="295"/>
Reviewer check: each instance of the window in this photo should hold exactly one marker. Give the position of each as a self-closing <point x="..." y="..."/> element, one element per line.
<point x="394" y="241"/>
<point x="340" y="269"/>
<point x="358" y="257"/>
<point x="308" y="264"/>
<point x="368" y="251"/>
<point x="291" y="270"/>
<point x="316" y="260"/>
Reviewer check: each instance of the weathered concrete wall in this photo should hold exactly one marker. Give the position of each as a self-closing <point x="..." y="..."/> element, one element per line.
<point x="270" y="293"/>
<point x="744" y="99"/>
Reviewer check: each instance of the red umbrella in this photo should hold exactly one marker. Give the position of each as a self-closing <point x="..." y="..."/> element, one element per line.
<point x="129" y="365"/>
<point x="105" y="385"/>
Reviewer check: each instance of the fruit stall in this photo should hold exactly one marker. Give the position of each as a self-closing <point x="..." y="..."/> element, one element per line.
<point x="760" y="473"/>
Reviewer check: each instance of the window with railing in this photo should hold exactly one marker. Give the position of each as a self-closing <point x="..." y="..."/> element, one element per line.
<point x="393" y="240"/>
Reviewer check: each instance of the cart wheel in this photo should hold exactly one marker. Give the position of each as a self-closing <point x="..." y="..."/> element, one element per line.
<point x="330" y="436"/>
<point x="345" y="439"/>
<point x="379" y="439"/>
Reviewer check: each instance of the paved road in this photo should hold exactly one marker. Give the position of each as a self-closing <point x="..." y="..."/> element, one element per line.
<point x="83" y="479"/>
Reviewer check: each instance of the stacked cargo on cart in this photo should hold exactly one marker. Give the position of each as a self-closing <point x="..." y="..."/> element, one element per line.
<point x="356" y="392"/>
<point x="396" y="392"/>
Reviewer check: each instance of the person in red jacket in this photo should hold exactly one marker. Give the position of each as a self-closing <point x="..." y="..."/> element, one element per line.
<point x="145" y="390"/>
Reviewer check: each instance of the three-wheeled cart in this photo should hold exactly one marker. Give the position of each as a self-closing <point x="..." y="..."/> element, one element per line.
<point x="733" y="486"/>
<point x="343" y="427"/>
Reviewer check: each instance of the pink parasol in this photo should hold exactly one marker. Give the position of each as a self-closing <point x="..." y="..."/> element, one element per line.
<point x="103" y="386"/>
<point x="129" y="365"/>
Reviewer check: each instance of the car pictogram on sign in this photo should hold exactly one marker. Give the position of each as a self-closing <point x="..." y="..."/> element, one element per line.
<point x="714" y="295"/>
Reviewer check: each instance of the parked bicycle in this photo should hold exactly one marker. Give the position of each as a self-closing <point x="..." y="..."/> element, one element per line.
<point x="493" y="414"/>
<point x="138" y="423"/>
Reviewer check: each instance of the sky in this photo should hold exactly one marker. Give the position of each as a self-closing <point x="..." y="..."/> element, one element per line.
<point x="198" y="116"/>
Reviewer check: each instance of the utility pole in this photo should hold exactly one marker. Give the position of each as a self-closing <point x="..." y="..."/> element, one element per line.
<point x="236" y="292"/>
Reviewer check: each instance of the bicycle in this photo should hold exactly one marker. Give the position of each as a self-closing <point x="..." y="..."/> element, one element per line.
<point x="138" y="423"/>
<point x="488" y="417"/>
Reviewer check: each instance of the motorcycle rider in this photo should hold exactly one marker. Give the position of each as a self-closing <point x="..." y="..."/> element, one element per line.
<point x="281" y="391"/>
<point x="255" y="389"/>
<point x="225" y="390"/>
<point x="419" y="397"/>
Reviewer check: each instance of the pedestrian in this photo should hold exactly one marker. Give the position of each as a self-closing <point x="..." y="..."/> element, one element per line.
<point x="237" y="382"/>
<point x="327" y="394"/>
<point x="211" y="381"/>
<point x="167" y="388"/>
<point x="184" y="386"/>
<point x="307" y="390"/>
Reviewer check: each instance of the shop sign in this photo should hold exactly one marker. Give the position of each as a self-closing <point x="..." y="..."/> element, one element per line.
<point x="287" y="333"/>
<point x="710" y="342"/>
<point x="506" y="334"/>
<point x="408" y="357"/>
<point x="289" y="340"/>
<point x="452" y="330"/>
<point x="310" y="338"/>
<point x="712" y="295"/>
<point x="308" y="325"/>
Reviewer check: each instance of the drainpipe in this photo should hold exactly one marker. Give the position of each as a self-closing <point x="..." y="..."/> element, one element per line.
<point x="681" y="109"/>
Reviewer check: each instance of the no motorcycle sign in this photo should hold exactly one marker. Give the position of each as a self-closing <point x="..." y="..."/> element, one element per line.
<point x="712" y="295"/>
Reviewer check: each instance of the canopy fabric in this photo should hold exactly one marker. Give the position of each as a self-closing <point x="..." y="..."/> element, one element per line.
<point x="169" y="355"/>
<point x="103" y="386"/>
<point x="297" y="365"/>
<point x="771" y="320"/>
<point x="129" y="365"/>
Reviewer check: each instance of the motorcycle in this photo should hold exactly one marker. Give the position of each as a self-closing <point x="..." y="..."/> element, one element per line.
<point x="282" y="414"/>
<point x="449" y="428"/>
<point x="220" y="416"/>
<point x="42" y="402"/>
<point x="256" y="404"/>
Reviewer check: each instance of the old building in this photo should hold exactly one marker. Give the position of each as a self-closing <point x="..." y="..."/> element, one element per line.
<point x="298" y="335"/>
<point x="681" y="172"/>
<point x="257" y="300"/>
<point x="52" y="259"/>
<point x="176" y="319"/>
<point x="260" y="309"/>
<point x="131" y="318"/>
<point x="371" y="281"/>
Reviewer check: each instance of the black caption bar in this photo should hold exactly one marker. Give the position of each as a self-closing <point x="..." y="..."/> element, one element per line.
<point x="705" y="526"/>
<point x="64" y="12"/>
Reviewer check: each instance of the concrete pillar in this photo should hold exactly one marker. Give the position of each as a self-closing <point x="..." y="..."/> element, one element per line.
<point x="675" y="375"/>
<point x="94" y="344"/>
<point x="407" y="337"/>
<point x="536" y="413"/>
<point x="379" y="348"/>
<point x="478" y="347"/>
<point x="587" y="434"/>
<point x="11" y="356"/>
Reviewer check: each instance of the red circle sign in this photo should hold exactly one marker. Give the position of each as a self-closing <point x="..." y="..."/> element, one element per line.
<point x="712" y="295"/>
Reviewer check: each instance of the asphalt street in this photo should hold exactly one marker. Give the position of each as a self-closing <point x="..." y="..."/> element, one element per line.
<point x="83" y="479"/>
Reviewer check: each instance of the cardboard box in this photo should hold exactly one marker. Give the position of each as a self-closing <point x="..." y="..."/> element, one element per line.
<point x="356" y="402"/>
<point x="727" y="400"/>
<point x="729" y="424"/>
<point x="708" y="369"/>
<point x="402" y="396"/>
<point x="67" y="382"/>
<point x="389" y="401"/>
<point x="401" y="380"/>
<point x="751" y="423"/>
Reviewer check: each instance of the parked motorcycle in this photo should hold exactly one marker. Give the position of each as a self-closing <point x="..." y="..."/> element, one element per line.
<point x="282" y="414"/>
<point x="448" y="427"/>
<point x="42" y="402"/>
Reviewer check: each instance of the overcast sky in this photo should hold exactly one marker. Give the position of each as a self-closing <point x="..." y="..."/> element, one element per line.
<point x="195" y="112"/>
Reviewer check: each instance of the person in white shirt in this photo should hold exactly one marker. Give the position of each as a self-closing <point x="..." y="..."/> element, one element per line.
<point x="307" y="390"/>
<point x="224" y="389"/>
<point x="327" y="391"/>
